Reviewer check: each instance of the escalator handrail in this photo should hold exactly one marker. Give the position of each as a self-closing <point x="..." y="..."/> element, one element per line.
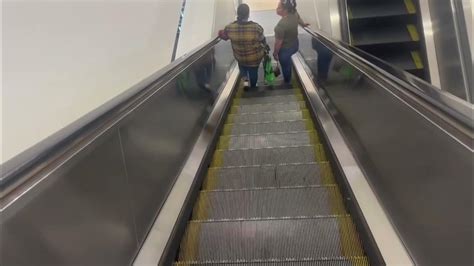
<point x="458" y="109"/>
<point x="18" y="180"/>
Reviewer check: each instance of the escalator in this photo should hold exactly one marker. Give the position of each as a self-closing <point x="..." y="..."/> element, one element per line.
<point x="389" y="30"/>
<point x="190" y="169"/>
<point x="269" y="196"/>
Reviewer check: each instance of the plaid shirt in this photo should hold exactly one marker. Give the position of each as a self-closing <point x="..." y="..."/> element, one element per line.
<point x="248" y="42"/>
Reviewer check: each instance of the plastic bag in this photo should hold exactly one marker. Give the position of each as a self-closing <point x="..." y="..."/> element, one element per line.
<point x="268" y="68"/>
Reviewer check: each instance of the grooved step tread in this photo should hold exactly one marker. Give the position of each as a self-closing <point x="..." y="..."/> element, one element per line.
<point x="278" y="155"/>
<point x="268" y="203"/>
<point x="268" y="107"/>
<point x="382" y="35"/>
<point x="353" y="261"/>
<point x="278" y="116"/>
<point x="270" y="92"/>
<point x="258" y="141"/>
<point x="269" y="99"/>
<point x="298" y="238"/>
<point x="265" y="176"/>
<point x="268" y="127"/>
<point x="379" y="9"/>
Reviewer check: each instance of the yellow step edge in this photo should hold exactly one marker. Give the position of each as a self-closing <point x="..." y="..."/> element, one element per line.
<point x="211" y="181"/>
<point x="201" y="208"/>
<point x="230" y="119"/>
<point x="314" y="137"/>
<point x="309" y="124"/>
<point x="227" y="130"/>
<point x="351" y="245"/>
<point x="410" y="6"/>
<point x="415" y="55"/>
<point x="224" y="142"/>
<point x="335" y="201"/>
<point x="217" y="159"/>
<point x="413" y="31"/>
<point x="236" y="101"/>
<point x="189" y="247"/>
<point x="306" y="114"/>
<point x="319" y="154"/>
<point x="326" y="173"/>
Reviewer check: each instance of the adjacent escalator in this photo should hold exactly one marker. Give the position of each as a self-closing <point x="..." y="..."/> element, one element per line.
<point x="390" y="30"/>
<point x="270" y="197"/>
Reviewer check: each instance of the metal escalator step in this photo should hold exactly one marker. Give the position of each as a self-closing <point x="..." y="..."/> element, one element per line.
<point x="268" y="117"/>
<point x="269" y="107"/>
<point x="376" y="35"/>
<point x="268" y="127"/>
<point x="268" y="140"/>
<point x="269" y="176"/>
<point x="269" y="99"/>
<point x="279" y="239"/>
<point x="270" y="92"/>
<point x="268" y="203"/>
<point x="400" y="58"/>
<point x="379" y="9"/>
<point x="353" y="261"/>
<point x="280" y="155"/>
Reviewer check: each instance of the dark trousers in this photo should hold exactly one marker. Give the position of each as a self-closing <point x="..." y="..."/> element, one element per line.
<point x="324" y="59"/>
<point x="285" y="61"/>
<point x="251" y="73"/>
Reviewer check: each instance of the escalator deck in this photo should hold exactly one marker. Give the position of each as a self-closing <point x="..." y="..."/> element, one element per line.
<point x="270" y="197"/>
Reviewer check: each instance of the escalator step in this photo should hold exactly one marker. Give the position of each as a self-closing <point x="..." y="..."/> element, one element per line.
<point x="270" y="93"/>
<point x="268" y="176"/>
<point x="381" y="9"/>
<point x="280" y="239"/>
<point x="268" y="127"/>
<point x="270" y="99"/>
<point x="262" y="108"/>
<point x="354" y="261"/>
<point x="268" y="140"/>
<point x="268" y="117"/>
<point x="280" y="155"/>
<point x="377" y="35"/>
<point x="268" y="203"/>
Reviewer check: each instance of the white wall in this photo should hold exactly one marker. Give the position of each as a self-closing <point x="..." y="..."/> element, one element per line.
<point x="266" y="19"/>
<point x="63" y="59"/>
<point x="225" y="14"/>
<point x="197" y="26"/>
<point x="322" y="15"/>
<point x="262" y="5"/>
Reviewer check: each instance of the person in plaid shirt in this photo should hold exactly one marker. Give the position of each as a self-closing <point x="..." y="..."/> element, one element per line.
<point x="248" y="43"/>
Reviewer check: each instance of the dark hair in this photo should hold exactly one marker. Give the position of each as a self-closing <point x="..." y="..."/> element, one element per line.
<point x="243" y="12"/>
<point x="289" y="5"/>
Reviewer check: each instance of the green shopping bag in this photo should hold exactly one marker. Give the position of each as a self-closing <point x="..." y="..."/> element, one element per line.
<point x="268" y="68"/>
